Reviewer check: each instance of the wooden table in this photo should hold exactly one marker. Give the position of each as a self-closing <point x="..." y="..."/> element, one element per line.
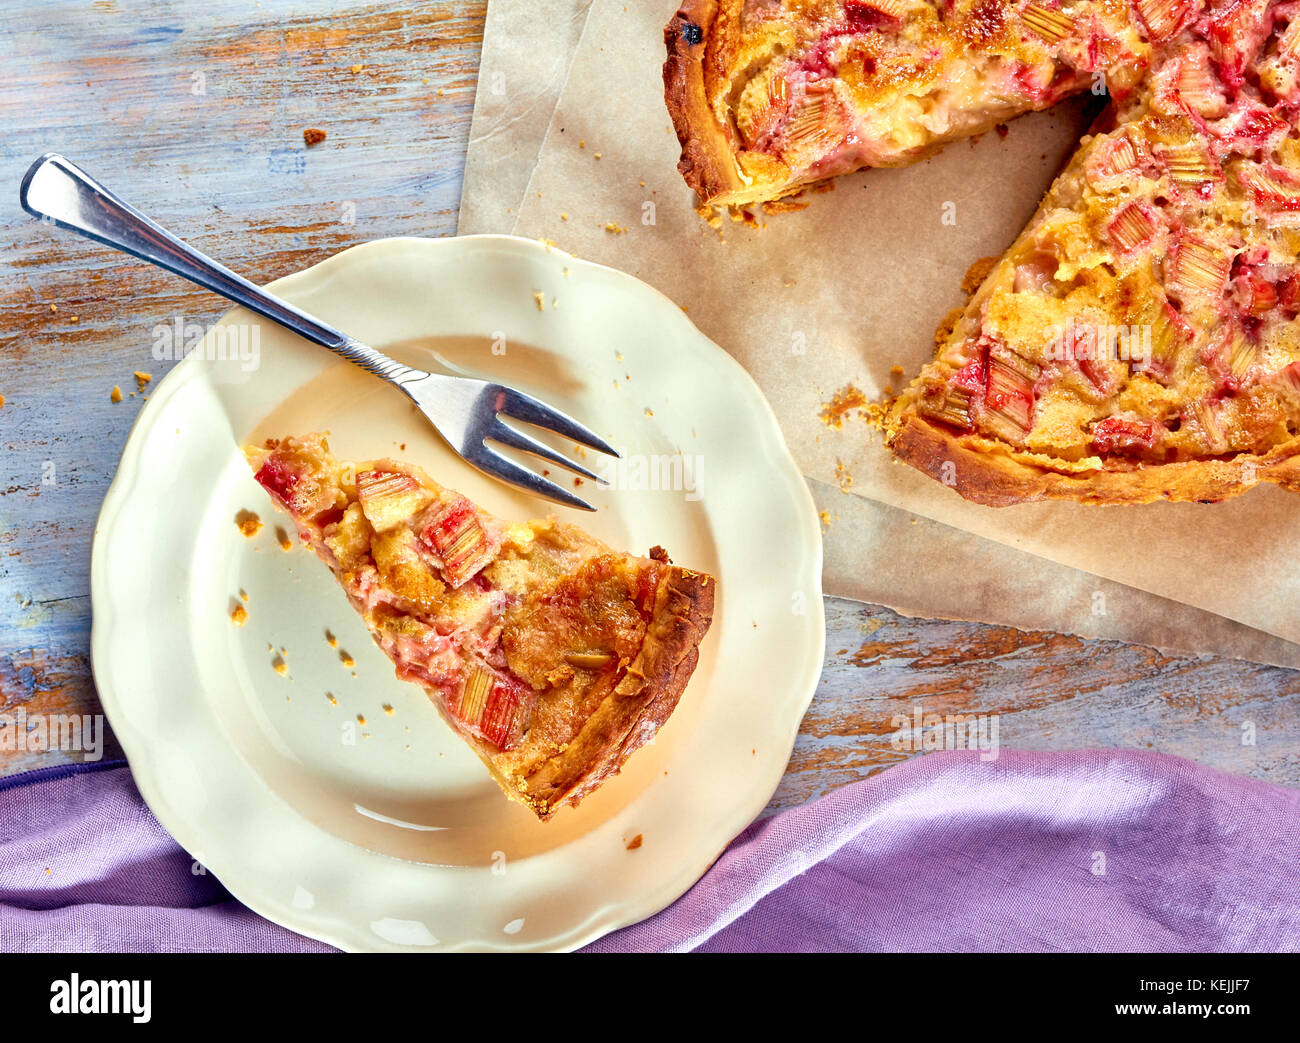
<point x="196" y="113"/>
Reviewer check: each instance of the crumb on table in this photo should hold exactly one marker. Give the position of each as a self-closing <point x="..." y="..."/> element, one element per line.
<point x="843" y="475"/>
<point x="313" y="136"/>
<point x="141" y="379"/>
<point x="115" y="395"/>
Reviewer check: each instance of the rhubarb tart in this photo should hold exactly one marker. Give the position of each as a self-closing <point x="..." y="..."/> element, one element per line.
<point x="1140" y="340"/>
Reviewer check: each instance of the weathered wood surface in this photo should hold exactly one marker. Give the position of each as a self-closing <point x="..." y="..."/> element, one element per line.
<point x="196" y="113"/>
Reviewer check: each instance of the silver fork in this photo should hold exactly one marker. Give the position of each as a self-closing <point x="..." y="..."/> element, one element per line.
<point x="465" y="411"/>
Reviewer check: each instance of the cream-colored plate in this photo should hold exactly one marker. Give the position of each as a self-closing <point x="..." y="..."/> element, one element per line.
<point x="330" y="797"/>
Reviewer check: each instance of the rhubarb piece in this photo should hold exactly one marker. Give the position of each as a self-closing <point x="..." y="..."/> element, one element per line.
<point x="389" y="497"/>
<point x="1242" y="356"/>
<point x="1290" y="378"/>
<point x="1009" y="400"/>
<point x="1198" y="89"/>
<point x="1190" y="164"/>
<point x="1254" y="295"/>
<point x="588" y="660"/>
<point x="1207" y="416"/>
<point x="492" y="708"/>
<point x="1274" y="190"/>
<point x="1289" y="43"/>
<point x="456" y="534"/>
<point x="1116" y="435"/>
<point x="1113" y="160"/>
<point x="1047" y="23"/>
<point x="1163" y="19"/>
<point x="953" y="406"/>
<point x="893" y="9"/>
<point x="1132" y="228"/>
<point x="279" y="480"/>
<point x="552" y="656"/>
<point x="1198" y="267"/>
<point x="816" y="126"/>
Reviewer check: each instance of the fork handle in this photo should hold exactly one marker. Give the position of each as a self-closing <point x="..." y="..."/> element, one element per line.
<point x="59" y="191"/>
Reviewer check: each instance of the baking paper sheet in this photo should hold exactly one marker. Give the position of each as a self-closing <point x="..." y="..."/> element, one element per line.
<point x="527" y="48"/>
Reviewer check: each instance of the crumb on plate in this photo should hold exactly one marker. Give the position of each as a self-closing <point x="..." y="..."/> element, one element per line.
<point x="248" y="523"/>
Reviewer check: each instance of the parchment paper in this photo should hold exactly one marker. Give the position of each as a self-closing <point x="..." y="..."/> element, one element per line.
<point x="841" y="292"/>
<point x="979" y="579"/>
<point x="527" y="48"/>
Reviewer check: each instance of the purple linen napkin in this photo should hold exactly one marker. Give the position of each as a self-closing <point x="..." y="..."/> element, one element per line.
<point x="1099" y="850"/>
<point x="1034" y="851"/>
<point x="85" y="867"/>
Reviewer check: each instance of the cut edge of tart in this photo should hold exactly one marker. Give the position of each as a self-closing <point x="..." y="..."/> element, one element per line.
<point x="994" y="475"/>
<point x="551" y="655"/>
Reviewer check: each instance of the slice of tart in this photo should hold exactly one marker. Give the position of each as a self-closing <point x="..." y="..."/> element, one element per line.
<point x="768" y="96"/>
<point x="553" y="656"/>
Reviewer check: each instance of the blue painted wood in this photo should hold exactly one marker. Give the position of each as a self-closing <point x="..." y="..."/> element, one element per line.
<point x="196" y="113"/>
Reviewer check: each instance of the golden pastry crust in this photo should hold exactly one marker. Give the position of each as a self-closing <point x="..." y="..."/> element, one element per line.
<point x="991" y="474"/>
<point x="708" y="161"/>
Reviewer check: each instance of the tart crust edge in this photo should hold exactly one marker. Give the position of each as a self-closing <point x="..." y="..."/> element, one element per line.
<point x="633" y="712"/>
<point x="1008" y="477"/>
<point x="708" y="160"/>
